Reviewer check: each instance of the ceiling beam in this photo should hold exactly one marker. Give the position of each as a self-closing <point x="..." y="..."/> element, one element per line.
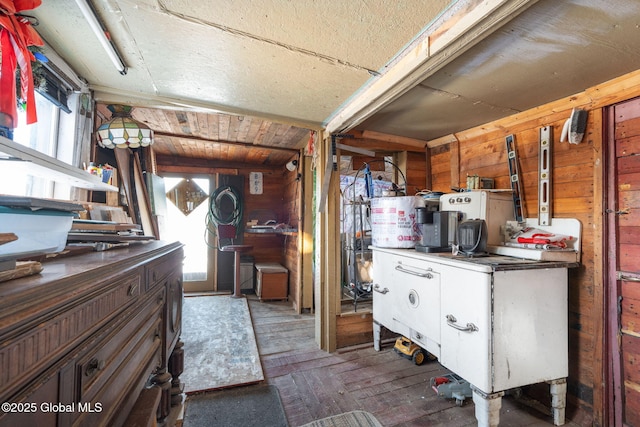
<point x="218" y="141"/>
<point x="443" y="140"/>
<point x="110" y="95"/>
<point x="466" y="23"/>
<point x="177" y="163"/>
<point x="393" y="139"/>
<point x="380" y="146"/>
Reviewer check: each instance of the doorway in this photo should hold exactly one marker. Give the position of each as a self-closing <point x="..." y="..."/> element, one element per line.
<point x="623" y="271"/>
<point x="187" y="210"/>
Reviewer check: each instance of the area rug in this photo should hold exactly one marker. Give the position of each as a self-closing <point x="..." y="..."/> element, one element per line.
<point x="348" y="419"/>
<point x="220" y="347"/>
<point x="256" y="405"/>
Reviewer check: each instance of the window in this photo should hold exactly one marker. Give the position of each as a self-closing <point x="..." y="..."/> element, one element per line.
<point x="54" y="135"/>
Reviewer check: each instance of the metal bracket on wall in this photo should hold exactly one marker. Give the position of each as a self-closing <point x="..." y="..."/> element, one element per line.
<point x="544" y="176"/>
<point x="512" y="155"/>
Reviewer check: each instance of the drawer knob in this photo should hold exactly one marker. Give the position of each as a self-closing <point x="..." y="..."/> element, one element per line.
<point x="451" y="321"/>
<point x="133" y="289"/>
<point x="94" y="366"/>
<point x="383" y="291"/>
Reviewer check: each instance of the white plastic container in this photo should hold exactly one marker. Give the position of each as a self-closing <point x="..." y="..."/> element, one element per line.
<point x="393" y="221"/>
<point x="39" y="231"/>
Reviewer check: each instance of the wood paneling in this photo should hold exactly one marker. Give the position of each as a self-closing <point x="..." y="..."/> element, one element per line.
<point x="416" y="172"/>
<point x="216" y="136"/>
<point x="354" y="328"/>
<point x="482" y="151"/>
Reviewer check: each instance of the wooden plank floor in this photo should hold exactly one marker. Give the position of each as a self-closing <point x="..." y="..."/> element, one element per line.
<point x="314" y="384"/>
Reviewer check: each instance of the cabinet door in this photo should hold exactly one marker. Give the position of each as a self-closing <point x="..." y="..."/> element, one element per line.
<point x="416" y="297"/>
<point x="407" y="297"/>
<point x="382" y="295"/>
<point x="466" y="325"/>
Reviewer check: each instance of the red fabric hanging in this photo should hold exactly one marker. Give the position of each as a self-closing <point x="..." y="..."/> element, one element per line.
<point x="16" y="35"/>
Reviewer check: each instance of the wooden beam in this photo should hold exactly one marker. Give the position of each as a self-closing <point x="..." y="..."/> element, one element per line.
<point x="306" y="236"/>
<point x="110" y="95"/>
<point x="394" y="139"/>
<point x="454" y="161"/>
<point x="380" y="146"/>
<point x="458" y="30"/>
<point x="429" y="179"/>
<point x="165" y="162"/>
<point x="356" y="150"/>
<point x="443" y="140"/>
<point x="218" y="141"/>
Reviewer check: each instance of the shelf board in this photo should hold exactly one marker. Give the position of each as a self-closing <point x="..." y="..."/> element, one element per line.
<point x="25" y="160"/>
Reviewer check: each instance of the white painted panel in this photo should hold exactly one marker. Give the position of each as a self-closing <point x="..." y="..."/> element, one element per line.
<point x="530" y="327"/>
<point x="466" y="295"/>
<point x="416" y="292"/>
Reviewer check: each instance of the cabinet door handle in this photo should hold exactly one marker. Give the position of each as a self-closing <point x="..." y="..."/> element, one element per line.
<point x="94" y="366"/>
<point x="451" y="321"/>
<point x="423" y="273"/>
<point x="383" y="291"/>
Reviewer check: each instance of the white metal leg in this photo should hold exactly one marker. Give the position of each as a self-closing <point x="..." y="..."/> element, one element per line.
<point x="376" y="336"/>
<point x="487" y="407"/>
<point x="558" y="390"/>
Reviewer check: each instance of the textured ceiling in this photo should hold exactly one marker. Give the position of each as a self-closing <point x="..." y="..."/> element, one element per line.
<point x="296" y="61"/>
<point x="416" y="69"/>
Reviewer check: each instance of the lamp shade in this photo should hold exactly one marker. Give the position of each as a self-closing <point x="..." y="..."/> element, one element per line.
<point x="122" y="131"/>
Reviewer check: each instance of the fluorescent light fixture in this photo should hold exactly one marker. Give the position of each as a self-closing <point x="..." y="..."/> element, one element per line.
<point x="101" y="34"/>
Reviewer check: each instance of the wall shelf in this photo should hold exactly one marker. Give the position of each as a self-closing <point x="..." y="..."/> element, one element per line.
<point x="25" y="160"/>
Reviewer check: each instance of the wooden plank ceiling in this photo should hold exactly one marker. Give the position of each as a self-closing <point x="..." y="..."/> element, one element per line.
<point x="188" y="137"/>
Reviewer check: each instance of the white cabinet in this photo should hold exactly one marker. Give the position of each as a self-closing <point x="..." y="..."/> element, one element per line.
<point x="411" y="303"/>
<point x="466" y="325"/>
<point x="498" y="322"/>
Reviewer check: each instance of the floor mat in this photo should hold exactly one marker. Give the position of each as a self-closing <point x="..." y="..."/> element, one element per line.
<point x="256" y="405"/>
<point x="220" y="348"/>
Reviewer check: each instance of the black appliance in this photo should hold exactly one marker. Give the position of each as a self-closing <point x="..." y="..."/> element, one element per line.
<point x="437" y="229"/>
<point x="472" y="237"/>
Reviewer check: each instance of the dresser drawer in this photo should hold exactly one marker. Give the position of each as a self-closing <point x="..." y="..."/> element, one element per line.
<point x="122" y="359"/>
<point x="36" y="348"/>
<point x="159" y="270"/>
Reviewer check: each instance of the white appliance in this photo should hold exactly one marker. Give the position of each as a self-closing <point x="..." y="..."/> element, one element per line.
<point x="498" y="322"/>
<point x="494" y="207"/>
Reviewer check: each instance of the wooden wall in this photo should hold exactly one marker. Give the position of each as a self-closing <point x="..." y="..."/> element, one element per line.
<point x="573" y="195"/>
<point x="577" y="192"/>
<point x="415" y="170"/>
<point x="280" y="200"/>
<point x="268" y="205"/>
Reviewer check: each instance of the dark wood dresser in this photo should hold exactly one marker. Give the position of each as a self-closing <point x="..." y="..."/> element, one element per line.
<point x="80" y="342"/>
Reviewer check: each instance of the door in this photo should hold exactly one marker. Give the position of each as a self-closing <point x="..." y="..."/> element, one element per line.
<point x="465" y="325"/>
<point x="187" y="210"/>
<point x="623" y="234"/>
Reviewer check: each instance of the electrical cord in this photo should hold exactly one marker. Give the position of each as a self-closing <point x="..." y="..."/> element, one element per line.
<point x="216" y="217"/>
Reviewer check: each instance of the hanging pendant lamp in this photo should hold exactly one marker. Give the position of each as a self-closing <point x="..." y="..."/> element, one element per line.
<point x="122" y="131"/>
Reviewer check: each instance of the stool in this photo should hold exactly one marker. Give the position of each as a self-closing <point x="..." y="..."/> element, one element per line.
<point x="237" y="250"/>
